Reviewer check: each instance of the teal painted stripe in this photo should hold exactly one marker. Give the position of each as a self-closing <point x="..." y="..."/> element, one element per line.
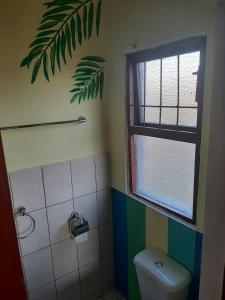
<point x="136" y="222"/>
<point x="181" y="244"/>
<point x="184" y="246"/>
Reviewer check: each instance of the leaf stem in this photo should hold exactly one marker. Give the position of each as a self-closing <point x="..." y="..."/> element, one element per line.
<point x="63" y="24"/>
<point x="91" y="78"/>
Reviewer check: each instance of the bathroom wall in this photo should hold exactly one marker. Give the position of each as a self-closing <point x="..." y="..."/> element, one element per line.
<point x="135" y="226"/>
<point x="23" y="103"/>
<point x="131" y="235"/>
<point x="147" y="24"/>
<point x="56" y="266"/>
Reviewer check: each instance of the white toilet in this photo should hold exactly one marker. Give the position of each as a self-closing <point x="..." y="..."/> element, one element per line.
<point x="160" y="277"/>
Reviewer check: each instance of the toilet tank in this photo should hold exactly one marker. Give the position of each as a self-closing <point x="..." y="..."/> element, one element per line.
<point x="160" y="277"/>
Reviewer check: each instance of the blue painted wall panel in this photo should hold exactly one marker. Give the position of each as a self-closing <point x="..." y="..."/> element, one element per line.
<point x="120" y="235"/>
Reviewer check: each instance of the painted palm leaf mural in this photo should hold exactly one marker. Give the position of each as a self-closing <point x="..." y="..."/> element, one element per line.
<point x="65" y="25"/>
<point x="88" y="79"/>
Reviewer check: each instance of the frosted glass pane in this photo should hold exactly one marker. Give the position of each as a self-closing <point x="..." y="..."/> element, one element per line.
<point x="152" y="90"/>
<point x="165" y="172"/>
<point x="188" y="117"/>
<point x="152" y="115"/>
<point x="131" y="115"/>
<point x="169" y="81"/>
<point x="141" y="82"/>
<point x="189" y="63"/>
<point x="169" y="116"/>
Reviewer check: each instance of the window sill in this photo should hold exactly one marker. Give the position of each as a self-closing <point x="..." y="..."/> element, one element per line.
<point x="162" y="211"/>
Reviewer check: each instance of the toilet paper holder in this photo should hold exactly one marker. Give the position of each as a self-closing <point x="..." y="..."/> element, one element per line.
<point x="77" y="225"/>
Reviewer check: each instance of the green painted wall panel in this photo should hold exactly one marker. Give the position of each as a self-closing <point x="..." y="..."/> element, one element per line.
<point x="136" y="222"/>
<point x="181" y="244"/>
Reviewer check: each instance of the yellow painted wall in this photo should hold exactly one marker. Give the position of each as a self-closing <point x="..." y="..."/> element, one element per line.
<point x="152" y="23"/>
<point x="22" y="103"/>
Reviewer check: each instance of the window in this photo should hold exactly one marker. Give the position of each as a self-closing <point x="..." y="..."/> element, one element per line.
<point x="164" y="93"/>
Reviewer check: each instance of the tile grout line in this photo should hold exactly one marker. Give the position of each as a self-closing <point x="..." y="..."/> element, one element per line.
<point x="17" y="228"/>
<point x="99" y="244"/>
<point x="95" y="227"/>
<point x="53" y="269"/>
<point x="63" y="276"/>
<point x="57" y="243"/>
<point x="74" y="240"/>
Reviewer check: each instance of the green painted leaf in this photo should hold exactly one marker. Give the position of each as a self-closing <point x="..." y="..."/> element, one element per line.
<point x="53" y="56"/>
<point x="93" y="86"/>
<point x="48" y="25"/>
<point x="85" y="21"/>
<point x="94" y="59"/>
<point x="90" y="19"/>
<point x="58" y="48"/>
<point x="98" y="16"/>
<point x="45" y="66"/>
<point x="61" y="8"/>
<point x="88" y="64"/>
<point x="101" y="84"/>
<point x="33" y="53"/>
<point x="87" y="71"/>
<point x="39" y="41"/>
<point x="88" y="79"/>
<point x="63" y="24"/>
<point x="73" y="32"/>
<point x="61" y="2"/>
<point x="58" y="17"/>
<point x="97" y="83"/>
<point x="79" y="29"/>
<point x="36" y="69"/>
<point x="45" y="33"/>
<point x="63" y="46"/>
<point x="68" y="38"/>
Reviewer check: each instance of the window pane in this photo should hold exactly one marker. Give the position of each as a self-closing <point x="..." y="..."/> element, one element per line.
<point x="152" y="115"/>
<point x="152" y="82"/>
<point x="189" y="64"/>
<point x="165" y="172"/>
<point x="141" y="82"/>
<point x="188" y="117"/>
<point x="170" y="81"/>
<point x="169" y="116"/>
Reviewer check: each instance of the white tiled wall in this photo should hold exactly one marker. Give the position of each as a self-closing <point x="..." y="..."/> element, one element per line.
<point x="56" y="267"/>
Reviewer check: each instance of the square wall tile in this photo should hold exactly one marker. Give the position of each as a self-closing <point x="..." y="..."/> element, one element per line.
<point x="83" y="176"/>
<point x="64" y="256"/>
<point x="57" y="181"/>
<point x="90" y="276"/>
<point x="114" y="295"/>
<point x="102" y="171"/>
<point x="27" y="189"/>
<point x="88" y="251"/>
<point x="96" y="295"/>
<point x="46" y="292"/>
<point x="87" y="207"/>
<point x="107" y="267"/>
<point x="104" y="206"/>
<point x="38" y="268"/>
<point x="106" y="240"/>
<point x="68" y="287"/>
<point x="39" y="238"/>
<point x="58" y="216"/>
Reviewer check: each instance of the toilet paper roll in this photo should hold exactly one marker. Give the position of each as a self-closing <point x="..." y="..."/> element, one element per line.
<point x="82" y="238"/>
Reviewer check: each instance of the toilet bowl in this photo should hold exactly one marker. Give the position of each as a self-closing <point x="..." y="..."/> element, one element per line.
<point x="160" y="277"/>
